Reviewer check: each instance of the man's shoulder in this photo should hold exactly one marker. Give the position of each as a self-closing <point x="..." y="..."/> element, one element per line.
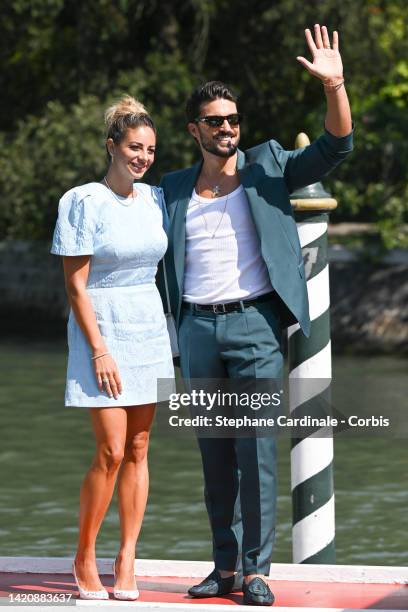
<point x="262" y="148"/>
<point x="267" y="152"/>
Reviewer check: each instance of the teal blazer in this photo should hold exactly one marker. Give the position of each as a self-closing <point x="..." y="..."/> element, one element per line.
<point x="268" y="174"/>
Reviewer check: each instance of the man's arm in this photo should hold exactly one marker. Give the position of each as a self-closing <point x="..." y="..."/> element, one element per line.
<point x="328" y="67"/>
<point x="310" y="164"/>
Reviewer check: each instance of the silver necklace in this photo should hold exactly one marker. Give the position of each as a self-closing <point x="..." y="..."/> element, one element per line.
<point x="122" y="202"/>
<point x="216" y="190"/>
<point x="212" y="235"/>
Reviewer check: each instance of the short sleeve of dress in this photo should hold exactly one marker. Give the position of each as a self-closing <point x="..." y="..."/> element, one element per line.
<point x="75" y="229"/>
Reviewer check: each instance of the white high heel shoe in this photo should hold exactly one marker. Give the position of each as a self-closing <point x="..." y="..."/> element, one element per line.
<point x="124" y="594"/>
<point x="84" y="594"/>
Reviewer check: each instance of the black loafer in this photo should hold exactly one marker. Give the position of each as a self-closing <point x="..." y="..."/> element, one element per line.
<point x="257" y="593"/>
<point x="212" y="586"/>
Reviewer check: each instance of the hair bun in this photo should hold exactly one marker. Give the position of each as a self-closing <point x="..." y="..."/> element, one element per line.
<point x="127" y="105"/>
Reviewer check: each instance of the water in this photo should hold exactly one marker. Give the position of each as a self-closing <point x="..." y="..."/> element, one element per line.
<point x="46" y="448"/>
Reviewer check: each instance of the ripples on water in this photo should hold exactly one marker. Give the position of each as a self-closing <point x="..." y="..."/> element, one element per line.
<point x="46" y="449"/>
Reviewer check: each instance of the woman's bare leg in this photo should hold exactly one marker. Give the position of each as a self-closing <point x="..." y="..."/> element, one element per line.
<point x="109" y="425"/>
<point x="133" y="486"/>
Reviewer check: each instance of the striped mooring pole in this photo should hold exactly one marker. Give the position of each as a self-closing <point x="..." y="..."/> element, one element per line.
<point x="313" y="530"/>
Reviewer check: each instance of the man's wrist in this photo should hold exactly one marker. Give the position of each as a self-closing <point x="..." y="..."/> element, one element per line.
<point x="333" y="84"/>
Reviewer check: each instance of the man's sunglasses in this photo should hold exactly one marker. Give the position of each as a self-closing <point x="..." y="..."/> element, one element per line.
<point x="216" y="121"/>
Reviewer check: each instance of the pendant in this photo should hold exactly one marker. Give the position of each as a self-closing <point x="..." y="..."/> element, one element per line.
<point x="216" y="191"/>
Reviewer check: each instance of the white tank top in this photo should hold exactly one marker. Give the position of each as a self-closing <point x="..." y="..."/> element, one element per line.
<point x="229" y="266"/>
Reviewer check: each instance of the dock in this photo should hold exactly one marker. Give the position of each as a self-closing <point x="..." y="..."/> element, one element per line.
<point x="47" y="582"/>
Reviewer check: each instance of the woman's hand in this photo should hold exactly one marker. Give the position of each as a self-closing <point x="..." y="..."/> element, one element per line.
<point x="107" y="375"/>
<point x="327" y="64"/>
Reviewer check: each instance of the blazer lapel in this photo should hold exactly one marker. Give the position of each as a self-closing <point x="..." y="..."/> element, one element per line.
<point x="264" y="214"/>
<point x="249" y="180"/>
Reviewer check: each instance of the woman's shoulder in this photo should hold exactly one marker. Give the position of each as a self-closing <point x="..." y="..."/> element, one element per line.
<point x="157" y="198"/>
<point x="82" y="192"/>
<point x="83" y="198"/>
<point x="151" y="190"/>
<point x="151" y="193"/>
<point x="76" y="221"/>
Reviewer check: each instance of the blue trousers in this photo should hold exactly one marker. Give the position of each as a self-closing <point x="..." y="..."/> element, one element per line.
<point x="239" y="473"/>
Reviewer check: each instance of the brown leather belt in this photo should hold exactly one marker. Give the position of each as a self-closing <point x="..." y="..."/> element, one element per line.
<point x="229" y="306"/>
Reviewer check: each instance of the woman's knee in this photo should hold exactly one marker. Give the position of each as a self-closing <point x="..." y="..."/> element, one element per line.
<point x="110" y="456"/>
<point x="137" y="447"/>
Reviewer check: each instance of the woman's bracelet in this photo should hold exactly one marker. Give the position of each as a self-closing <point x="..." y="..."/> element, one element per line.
<point x="99" y="356"/>
<point x="333" y="87"/>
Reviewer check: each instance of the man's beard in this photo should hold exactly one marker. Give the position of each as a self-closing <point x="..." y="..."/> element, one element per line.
<point x="211" y="147"/>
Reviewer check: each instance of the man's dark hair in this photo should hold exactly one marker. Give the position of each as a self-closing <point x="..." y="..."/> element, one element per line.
<point x="212" y="90"/>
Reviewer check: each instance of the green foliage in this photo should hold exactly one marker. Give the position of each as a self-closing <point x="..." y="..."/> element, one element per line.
<point x="64" y="146"/>
<point x="64" y="61"/>
<point x="46" y="156"/>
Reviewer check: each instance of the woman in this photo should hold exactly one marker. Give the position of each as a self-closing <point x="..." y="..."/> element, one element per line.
<point x="111" y="237"/>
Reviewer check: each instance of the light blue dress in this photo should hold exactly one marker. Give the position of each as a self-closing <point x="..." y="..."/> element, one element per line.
<point x="126" y="243"/>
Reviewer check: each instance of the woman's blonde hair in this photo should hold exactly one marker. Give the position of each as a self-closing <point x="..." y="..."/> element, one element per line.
<point x="124" y="114"/>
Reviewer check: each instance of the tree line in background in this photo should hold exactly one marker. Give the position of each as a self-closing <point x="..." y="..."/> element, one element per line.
<point x="64" y="61"/>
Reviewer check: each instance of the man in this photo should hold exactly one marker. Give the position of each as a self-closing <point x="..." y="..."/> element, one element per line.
<point x="236" y="280"/>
